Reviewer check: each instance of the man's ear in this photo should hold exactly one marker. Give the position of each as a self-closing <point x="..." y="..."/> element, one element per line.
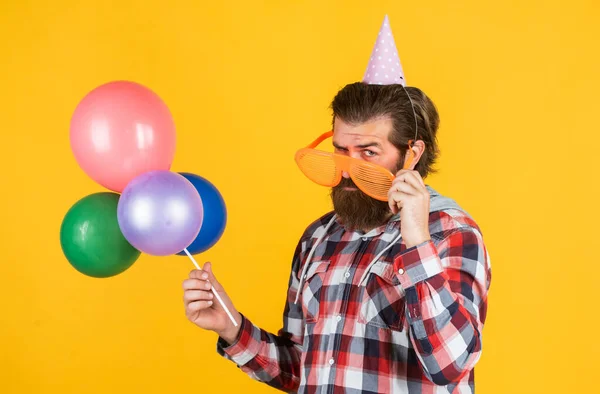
<point x="413" y="156"/>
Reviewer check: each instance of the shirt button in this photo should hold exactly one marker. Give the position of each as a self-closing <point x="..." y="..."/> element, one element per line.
<point x="331" y="361"/>
<point x="347" y="275"/>
<point x="338" y="318"/>
<point x="401" y="271"/>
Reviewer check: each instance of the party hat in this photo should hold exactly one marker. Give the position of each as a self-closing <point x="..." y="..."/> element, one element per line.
<point x="384" y="67"/>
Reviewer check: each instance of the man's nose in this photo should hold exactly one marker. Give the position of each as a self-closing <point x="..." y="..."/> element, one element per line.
<point x="345" y="174"/>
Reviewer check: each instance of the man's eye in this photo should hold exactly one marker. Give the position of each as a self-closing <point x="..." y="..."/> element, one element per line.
<point x="369" y="153"/>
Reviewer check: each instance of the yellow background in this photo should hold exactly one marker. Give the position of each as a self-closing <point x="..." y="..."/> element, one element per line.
<point x="516" y="84"/>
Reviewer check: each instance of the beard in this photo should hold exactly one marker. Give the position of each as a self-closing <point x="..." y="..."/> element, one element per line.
<point x="356" y="210"/>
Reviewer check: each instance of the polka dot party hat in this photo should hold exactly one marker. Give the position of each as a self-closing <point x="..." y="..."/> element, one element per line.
<point x="384" y="66"/>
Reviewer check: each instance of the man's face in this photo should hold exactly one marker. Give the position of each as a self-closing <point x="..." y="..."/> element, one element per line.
<point x="367" y="141"/>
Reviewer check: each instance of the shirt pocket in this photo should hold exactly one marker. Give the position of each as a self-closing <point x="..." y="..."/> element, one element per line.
<point x="312" y="290"/>
<point x="382" y="302"/>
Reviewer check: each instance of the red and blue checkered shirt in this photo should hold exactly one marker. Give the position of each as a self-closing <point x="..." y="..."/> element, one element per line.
<point x="373" y="316"/>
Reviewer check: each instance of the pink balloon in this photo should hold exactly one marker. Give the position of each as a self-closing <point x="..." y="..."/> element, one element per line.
<point x="121" y="130"/>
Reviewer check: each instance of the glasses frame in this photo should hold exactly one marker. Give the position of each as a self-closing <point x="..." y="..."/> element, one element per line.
<point x="343" y="163"/>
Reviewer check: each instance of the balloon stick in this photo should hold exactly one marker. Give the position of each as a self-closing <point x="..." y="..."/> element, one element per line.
<point x="212" y="288"/>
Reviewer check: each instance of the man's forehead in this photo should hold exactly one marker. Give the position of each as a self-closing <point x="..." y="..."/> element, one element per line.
<point x="373" y="130"/>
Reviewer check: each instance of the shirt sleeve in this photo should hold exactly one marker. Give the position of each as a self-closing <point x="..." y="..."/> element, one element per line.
<point x="266" y="357"/>
<point x="446" y="290"/>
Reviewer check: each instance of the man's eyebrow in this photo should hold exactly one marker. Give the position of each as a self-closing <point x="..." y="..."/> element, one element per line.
<point x="361" y="146"/>
<point x="369" y="144"/>
<point x="338" y="146"/>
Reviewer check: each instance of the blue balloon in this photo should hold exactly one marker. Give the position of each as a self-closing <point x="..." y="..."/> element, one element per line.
<point x="215" y="214"/>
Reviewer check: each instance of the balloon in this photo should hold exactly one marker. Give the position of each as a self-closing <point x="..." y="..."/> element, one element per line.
<point x="160" y="213"/>
<point x="121" y="130"/>
<point x="91" y="239"/>
<point x="215" y="214"/>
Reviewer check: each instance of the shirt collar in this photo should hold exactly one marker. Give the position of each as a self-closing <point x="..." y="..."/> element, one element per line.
<point x="389" y="226"/>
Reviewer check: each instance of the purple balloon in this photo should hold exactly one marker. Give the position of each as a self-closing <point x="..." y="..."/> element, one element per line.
<point x="160" y="213"/>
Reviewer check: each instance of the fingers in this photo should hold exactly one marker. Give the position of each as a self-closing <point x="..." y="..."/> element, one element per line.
<point x="397" y="193"/>
<point x="407" y="182"/>
<point x="190" y="296"/>
<point x="206" y="274"/>
<point x="396" y="201"/>
<point x="407" y="186"/>
<point x="196" y="284"/>
<point x="411" y="177"/>
<point x="211" y="276"/>
<point x="198" y="274"/>
<point x="400" y="186"/>
<point x="197" y="306"/>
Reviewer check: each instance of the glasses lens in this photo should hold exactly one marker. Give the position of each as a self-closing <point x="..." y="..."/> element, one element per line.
<point x="319" y="167"/>
<point x="373" y="180"/>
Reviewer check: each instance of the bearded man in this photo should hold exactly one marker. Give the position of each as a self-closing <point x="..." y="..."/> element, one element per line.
<point x="388" y="292"/>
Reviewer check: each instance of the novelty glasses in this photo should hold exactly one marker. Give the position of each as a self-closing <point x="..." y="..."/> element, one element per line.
<point x="325" y="169"/>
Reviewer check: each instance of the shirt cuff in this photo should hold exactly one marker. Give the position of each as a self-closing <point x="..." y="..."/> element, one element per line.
<point x="417" y="264"/>
<point x="246" y="345"/>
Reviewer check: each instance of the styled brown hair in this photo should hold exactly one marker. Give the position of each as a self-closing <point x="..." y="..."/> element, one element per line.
<point x="359" y="102"/>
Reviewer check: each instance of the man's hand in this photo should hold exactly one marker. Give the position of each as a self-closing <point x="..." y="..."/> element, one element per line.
<point x="409" y="196"/>
<point x="203" y="309"/>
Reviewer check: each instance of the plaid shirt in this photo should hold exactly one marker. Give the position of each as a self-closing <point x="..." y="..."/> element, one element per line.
<point x="374" y="316"/>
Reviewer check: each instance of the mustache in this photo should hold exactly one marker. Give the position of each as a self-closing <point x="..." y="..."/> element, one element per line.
<point x="345" y="182"/>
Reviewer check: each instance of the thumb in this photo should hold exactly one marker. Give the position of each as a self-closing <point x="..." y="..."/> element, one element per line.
<point x="211" y="276"/>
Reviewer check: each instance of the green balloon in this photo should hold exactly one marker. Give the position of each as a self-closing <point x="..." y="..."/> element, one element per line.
<point x="91" y="239"/>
